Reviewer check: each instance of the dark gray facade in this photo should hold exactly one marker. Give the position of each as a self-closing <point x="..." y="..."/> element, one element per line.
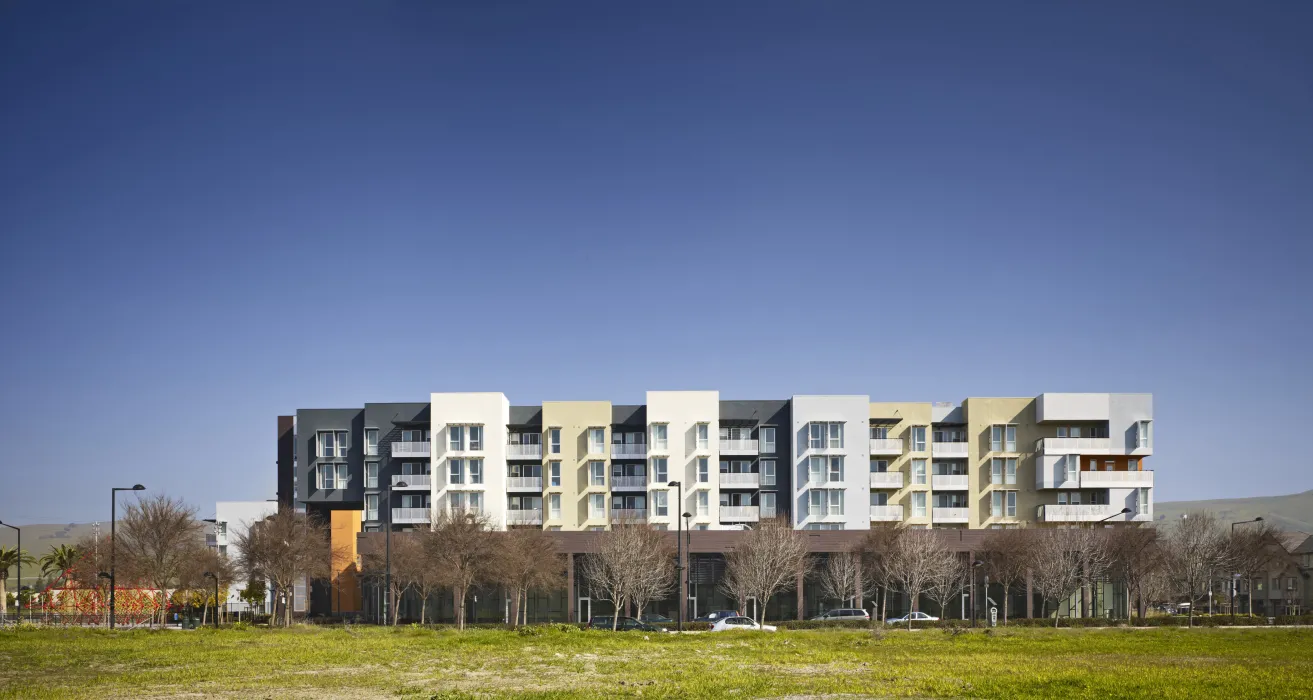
<point x="390" y="420"/>
<point x="756" y="415"/>
<point x="309" y="423"/>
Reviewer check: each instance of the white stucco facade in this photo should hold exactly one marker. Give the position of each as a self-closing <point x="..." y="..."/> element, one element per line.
<point x="232" y="519"/>
<point x="490" y="412"/>
<point x="682" y="412"/>
<point x="853" y="413"/>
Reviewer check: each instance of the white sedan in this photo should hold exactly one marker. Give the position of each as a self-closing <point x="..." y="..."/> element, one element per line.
<point x="914" y="617"/>
<point x="739" y="623"/>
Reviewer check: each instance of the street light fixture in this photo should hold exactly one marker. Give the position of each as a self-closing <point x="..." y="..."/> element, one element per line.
<point x="1235" y="577"/>
<point x="387" y="577"/>
<point x="688" y="547"/>
<point x="113" y="518"/>
<point x="209" y="574"/>
<point x="1123" y="511"/>
<point x="19" y="588"/>
<point x="679" y="555"/>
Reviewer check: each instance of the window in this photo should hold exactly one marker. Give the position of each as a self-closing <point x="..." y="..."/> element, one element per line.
<point x="1072" y="468"/>
<point x="836" y="435"/>
<point x="457" y="471"/>
<point x="410" y="436"/>
<point x="371" y="475"/>
<point x="476" y="471"/>
<point x="815" y="436"/>
<point x="596" y="506"/>
<point x="767" y="472"/>
<point x="1144" y="434"/>
<point x="327" y="476"/>
<point x="371" y="506"/>
<point x="475" y="500"/>
<point x="1142" y="502"/>
<point x="918" y="504"/>
<point x="1003" y="503"/>
<point x="660" y="471"/>
<point x="371" y="442"/>
<point x="825" y="435"/>
<point x="597" y="473"/>
<point x="597" y="441"/>
<point x="1062" y="431"/>
<point x="1010" y="471"/>
<point x="332" y="443"/>
<point x="702" y="429"/>
<point x="476" y="437"/>
<point x="879" y="466"/>
<point x="343" y="477"/>
<point x="1012" y="504"/>
<point x="456" y="437"/>
<point x="768" y="440"/>
<point x="836" y="502"/>
<point x="879" y="498"/>
<point x="996" y="504"/>
<point x="659" y="441"/>
<point x="816" y="467"/>
<point x="704" y="508"/>
<point x="555" y="434"/>
<point x="660" y="500"/>
<point x="836" y="469"/>
<point x="768" y="505"/>
<point x="918" y="438"/>
<point x="555" y="474"/>
<point x="879" y="432"/>
<point x="1133" y="464"/>
<point x="554" y="506"/>
<point x="704" y="470"/>
<point x="918" y="471"/>
<point x="996" y="471"/>
<point x="1003" y="438"/>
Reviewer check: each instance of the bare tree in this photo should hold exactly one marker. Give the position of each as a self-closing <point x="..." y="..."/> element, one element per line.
<point x="409" y="563"/>
<point x="877" y="550"/>
<point x="195" y="585"/>
<point x="1252" y="551"/>
<point x="1005" y="561"/>
<point x="158" y="535"/>
<point x="1196" y="547"/>
<point x="632" y="564"/>
<point x="916" y="558"/>
<point x="841" y="576"/>
<point x="458" y="547"/>
<point x="766" y="560"/>
<point x="1136" y="564"/>
<point x="285" y="548"/>
<point x="527" y="560"/>
<point x="948" y="581"/>
<point x="1095" y="559"/>
<point x="652" y="575"/>
<point x="1055" y="560"/>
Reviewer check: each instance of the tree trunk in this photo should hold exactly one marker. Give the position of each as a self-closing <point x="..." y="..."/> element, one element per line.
<point x="4" y="597"/>
<point x="460" y="608"/>
<point x="1006" y="589"/>
<point x="615" y="616"/>
<point x="884" y="604"/>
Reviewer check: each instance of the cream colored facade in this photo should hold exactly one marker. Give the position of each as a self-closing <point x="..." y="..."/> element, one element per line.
<point x="574" y="419"/>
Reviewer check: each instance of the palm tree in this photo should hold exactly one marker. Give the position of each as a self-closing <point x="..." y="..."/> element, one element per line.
<point x="10" y="557"/>
<point x="58" y="561"/>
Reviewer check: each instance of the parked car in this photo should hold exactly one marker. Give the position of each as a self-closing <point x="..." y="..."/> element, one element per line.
<point x="626" y="624"/>
<point x="914" y="617"/>
<point x="655" y="619"/>
<point x="844" y="614"/>
<point x="736" y="622"/>
<point x="714" y="616"/>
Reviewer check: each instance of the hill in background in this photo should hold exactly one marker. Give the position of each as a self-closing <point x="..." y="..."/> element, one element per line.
<point x="1292" y="512"/>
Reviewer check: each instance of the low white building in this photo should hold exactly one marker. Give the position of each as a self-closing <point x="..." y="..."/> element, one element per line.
<point x="231" y="521"/>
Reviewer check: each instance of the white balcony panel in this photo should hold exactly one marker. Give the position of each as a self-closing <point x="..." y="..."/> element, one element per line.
<point x="411" y="449"/>
<point x="744" y="480"/>
<point x="524" y="517"/>
<point x="627" y="515"/>
<point x="629" y="483"/>
<point x="524" y="452"/>
<point x="413" y="482"/>
<point x="410" y="516"/>
<point x="949" y="515"/>
<point x="948" y="482"/>
<point x="1080" y="513"/>
<point x="1074" y="446"/>
<point x="738" y="447"/>
<point x="886" y="447"/>
<point x="948" y="450"/>
<point x="739" y="514"/>
<point x="1116" y="480"/>
<point x="524" y="483"/>
<point x="628" y="451"/>
<point x="886" y="513"/>
<point x="767" y="512"/>
<point x="886" y="480"/>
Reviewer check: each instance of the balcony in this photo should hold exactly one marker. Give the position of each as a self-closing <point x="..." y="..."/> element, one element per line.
<point x="421" y="482"/>
<point x="888" y="447"/>
<point x="738" y="447"/>
<point x="948" y="482"/>
<point x="1116" y="480"/>
<point x="628" y="451"/>
<point x="211" y="541"/>
<point x="524" y="452"/>
<point x="886" y="513"/>
<point x="949" y="515"/>
<point x="524" y="483"/>
<point x="1074" y="446"/>
<point x="739" y="514"/>
<point x="636" y="482"/>
<point x="948" y="450"/>
<point x="410" y="516"/>
<point x="740" y="480"/>
<point x="1080" y="513"/>
<point x="412" y="449"/>
<point x="767" y="512"/>
<point x="823" y="451"/>
<point x="628" y="515"/>
<point x="886" y="480"/>
<point x="524" y="517"/>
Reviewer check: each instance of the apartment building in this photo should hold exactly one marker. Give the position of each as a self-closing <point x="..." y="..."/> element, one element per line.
<point x="232" y="519"/>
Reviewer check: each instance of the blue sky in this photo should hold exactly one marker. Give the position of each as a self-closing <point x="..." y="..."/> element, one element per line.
<point x="216" y="213"/>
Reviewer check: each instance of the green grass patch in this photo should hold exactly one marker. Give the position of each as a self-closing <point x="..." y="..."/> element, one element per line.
<point x="563" y="662"/>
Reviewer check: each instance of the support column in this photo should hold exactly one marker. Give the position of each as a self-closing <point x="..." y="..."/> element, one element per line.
<point x="802" y="609"/>
<point x="683" y="585"/>
<point x="857" y="584"/>
<point x="1030" y="594"/>
<point x="570" y="597"/>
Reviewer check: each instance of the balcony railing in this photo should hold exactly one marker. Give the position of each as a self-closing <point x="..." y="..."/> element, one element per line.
<point x="948" y="450"/>
<point x="886" y="480"/>
<point x="625" y="515"/>
<point x="412" y="481"/>
<point x="410" y="516"/>
<point x="1097" y="480"/>
<point x="1074" y="446"/>
<point x="628" y="451"/>
<point x="886" y="513"/>
<point x="948" y="482"/>
<point x="886" y="446"/>
<point x="636" y="482"/>
<point x="524" y="517"/>
<point x="524" y="483"/>
<point x="524" y="451"/>
<point x="1083" y="513"/>
<point x="411" y="449"/>
<point x="740" y="480"/>
<point x="767" y="512"/>
<point x="738" y="447"/>
<point x="949" y="515"/>
<point x="740" y="514"/>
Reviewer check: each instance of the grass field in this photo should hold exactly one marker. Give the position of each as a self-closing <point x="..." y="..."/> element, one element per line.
<point x="415" y="663"/>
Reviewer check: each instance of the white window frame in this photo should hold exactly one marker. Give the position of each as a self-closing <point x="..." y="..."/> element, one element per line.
<point x="1010" y="471"/>
<point x="596" y="506"/>
<point x="555" y="435"/>
<point x="597" y="473"/>
<point x="1143" y="434"/>
<point x="834" y="470"/>
<point x="919" y="472"/>
<point x="475" y="467"/>
<point x="834" y="436"/>
<point x="996" y="438"/>
<point x="597" y="441"/>
<point x="554" y="473"/>
<point x="879" y="432"/>
<point x="1011" y="504"/>
<point x="327" y="476"/>
<point x="1142" y="501"/>
<point x="704" y="470"/>
<point x="996" y="504"/>
<point x="879" y="466"/>
<point x="815" y="436"/>
<point x="918" y="438"/>
<point x="816" y="469"/>
<point x="455" y="438"/>
<point x="455" y="471"/>
<point x="661" y="503"/>
<point x="660" y="471"/>
<point x="767" y="440"/>
<point x="1010" y="438"/>
<point x="371" y="475"/>
<point x="767" y="472"/>
<point x="1133" y="464"/>
<point x="918" y="504"/>
<point x="554" y="506"/>
<point x="703" y="504"/>
<point x="835" y="502"/>
<point x="660" y="436"/>
<point x="476" y="437"/>
<point x="371" y="512"/>
<point x="343" y="475"/>
<point x="996" y="471"/>
<point x="371" y="442"/>
<point x="702" y="432"/>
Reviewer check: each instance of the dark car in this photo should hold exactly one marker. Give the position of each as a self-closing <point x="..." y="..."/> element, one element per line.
<point x="716" y="615"/>
<point x="626" y="624"/>
<point x="655" y="619"/>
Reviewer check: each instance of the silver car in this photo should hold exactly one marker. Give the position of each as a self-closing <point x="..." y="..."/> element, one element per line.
<point x="844" y="614"/>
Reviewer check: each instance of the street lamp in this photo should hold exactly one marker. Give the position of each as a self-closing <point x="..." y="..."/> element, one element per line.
<point x="387" y="577"/>
<point x="19" y="588"/>
<point x="1123" y="511"/>
<point x="1235" y="577"/>
<point x="688" y="546"/>
<point x="209" y="574"/>
<point x="113" y="516"/>
<point x="974" y="565"/>
<point x="679" y="555"/>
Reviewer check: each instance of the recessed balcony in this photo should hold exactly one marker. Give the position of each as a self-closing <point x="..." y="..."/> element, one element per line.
<point x="886" y="447"/>
<point x="949" y="515"/>
<point x="524" y="483"/>
<point x="738" y="447"/>
<point x="740" y="480"/>
<point x="740" y="514"/>
<point x="949" y="482"/>
<point x="886" y="513"/>
<point x="948" y="450"/>
<point x="886" y="480"/>
<point x="533" y="452"/>
<point x="412" y="449"/>
<point x="628" y="451"/>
